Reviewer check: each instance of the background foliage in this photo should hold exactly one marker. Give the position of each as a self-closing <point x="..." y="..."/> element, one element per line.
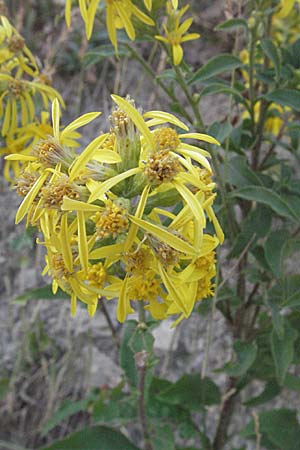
<point x="258" y="281"/>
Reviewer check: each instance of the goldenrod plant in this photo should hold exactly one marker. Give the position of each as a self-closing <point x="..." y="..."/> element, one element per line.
<point x="167" y="215"/>
<point x="103" y="218"/>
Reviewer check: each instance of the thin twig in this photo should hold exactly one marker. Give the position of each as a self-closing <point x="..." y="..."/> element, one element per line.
<point x="110" y="323"/>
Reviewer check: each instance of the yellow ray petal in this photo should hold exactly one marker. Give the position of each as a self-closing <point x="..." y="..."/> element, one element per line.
<point x="177" y="54"/>
<point x="65" y="243"/>
<point x="286" y="8"/>
<point x="191" y="200"/>
<point x="107" y="156"/>
<point x="108" y="184"/>
<point x="201" y="137"/>
<point x="92" y="308"/>
<point x="68" y="12"/>
<point x="106" y="251"/>
<point x="75" y="205"/>
<point x="55" y="118"/>
<point x="124" y="307"/>
<point x="86" y="155"/>
<point x="165" y="236"/>
<point x="141" y="16"/>
<point x="139" y="212"/>
<point x="20" y="157"/>
<point x="163" y="117"/>
<point x="82" y="241"/>
<point x="196" y="157"/>
<point x="80" y="122"/>
<point x="213" y="218"/>
<point x="125" y="19"/>
<point x="73" y="304"/>
<point x="173" y="290"/>
<point x="29" y="199"/>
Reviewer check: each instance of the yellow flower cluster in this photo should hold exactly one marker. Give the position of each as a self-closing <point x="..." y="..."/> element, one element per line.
<point x="127" y="217"/>
<point x="120" y="14"/>
<point x="20" y="82"/>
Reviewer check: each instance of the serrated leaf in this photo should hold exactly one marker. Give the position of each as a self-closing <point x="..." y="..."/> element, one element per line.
<point x="285" y="97"/>
<point x="267" y="197"/>
<point x="283" y="350"/>
<point x="93" y="438"/>
<point x="216" y="66"/>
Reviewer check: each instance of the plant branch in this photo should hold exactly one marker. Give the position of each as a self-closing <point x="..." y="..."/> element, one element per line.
<point x="110" y="323"/>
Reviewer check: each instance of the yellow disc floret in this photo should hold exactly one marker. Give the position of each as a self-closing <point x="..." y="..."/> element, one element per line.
<point x="96" y="275"/>
<point x="112" y="221"/>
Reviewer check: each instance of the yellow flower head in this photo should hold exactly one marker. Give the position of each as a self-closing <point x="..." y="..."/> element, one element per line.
<point x="136" y="230"/>
<point x="176" y="32"/>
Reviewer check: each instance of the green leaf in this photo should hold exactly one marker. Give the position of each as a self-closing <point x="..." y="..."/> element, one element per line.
<point x="292" y="291"/>
<point x="285" y="97"/>
<point x="292" y="382"/>
<point x="163" y="438"/>
<point x="115" y="411"/>
<point x="245" y="356"/>
<point x="283" y="350"/>
<point x="271" y="390"/>
<point x="232" y="24"/>
<point x="219" y="88"/>
<point x="273" y="248"/>
<point x="258" y="222"/>
<point x="104" y="51"/>
<point x="216" y="66"/>
<point x="192" y="392"/>
<point x="240" y="174"/>
<point x="127" y="361"/>
<point x="93" y="438"/>
<point x="168" y="74"/>
<point x="68" y="409"/>
<point x="267" y="197"/>
<point x="273" y="54"/>
<point x="41" y="293"/>
<point x="279" y="426"/>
